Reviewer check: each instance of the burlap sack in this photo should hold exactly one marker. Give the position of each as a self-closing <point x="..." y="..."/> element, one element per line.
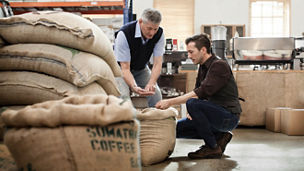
<point x="2" y="43"/>
<point x="61" y="28"/>
<point x="157" y="134"/>
<point x="2" y="125"/>
<point x="76" y="133"/>
<point x="70" y="148"/>
<point x="76" y="67"/>
<point x="26" y="88"/>
<point x="7" y="162"/>
<point x="75" y="110"/>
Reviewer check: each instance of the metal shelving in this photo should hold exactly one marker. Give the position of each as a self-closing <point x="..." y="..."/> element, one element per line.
<point x="83" y="7"/>
<point x="123" y="7"/>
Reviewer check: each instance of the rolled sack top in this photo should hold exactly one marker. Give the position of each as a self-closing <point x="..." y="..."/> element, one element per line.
<point x="156" y="114"/>
<point x="75" y="110"/>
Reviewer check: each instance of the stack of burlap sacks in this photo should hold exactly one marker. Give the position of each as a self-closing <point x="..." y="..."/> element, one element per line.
<point x="92" y="132"/>
<point x="62" y="66"/>
<point x="75" y="133"/>
<point x="50" y="55"/>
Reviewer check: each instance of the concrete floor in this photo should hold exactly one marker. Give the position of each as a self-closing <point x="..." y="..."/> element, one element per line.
<point x="250" y="149"/>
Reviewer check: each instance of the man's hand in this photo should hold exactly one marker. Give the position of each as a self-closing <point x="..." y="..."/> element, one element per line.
<point x="163" y="104"/>
<point x="150" y="87"/>
<point x="141" y="91"/>
<point x="188" y="116"/>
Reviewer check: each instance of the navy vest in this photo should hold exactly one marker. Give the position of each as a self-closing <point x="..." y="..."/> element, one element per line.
<point x="140" y="53"/>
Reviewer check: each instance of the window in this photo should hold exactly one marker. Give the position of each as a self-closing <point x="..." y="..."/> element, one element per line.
<point x="269" y="18"/>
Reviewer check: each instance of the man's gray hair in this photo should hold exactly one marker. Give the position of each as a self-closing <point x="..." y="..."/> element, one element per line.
<point x="151" y="15"/>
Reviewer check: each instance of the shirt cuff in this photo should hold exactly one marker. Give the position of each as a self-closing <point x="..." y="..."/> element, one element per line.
<point x="200" y="93"/>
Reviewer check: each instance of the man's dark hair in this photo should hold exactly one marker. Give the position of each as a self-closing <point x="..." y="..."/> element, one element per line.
<point x="200" y="40"/>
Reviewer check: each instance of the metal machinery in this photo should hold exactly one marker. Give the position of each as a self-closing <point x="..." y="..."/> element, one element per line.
<point x="277" y="51"/>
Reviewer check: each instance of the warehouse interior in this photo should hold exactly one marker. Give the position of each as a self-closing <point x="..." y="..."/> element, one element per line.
<point x="57" y="66"/>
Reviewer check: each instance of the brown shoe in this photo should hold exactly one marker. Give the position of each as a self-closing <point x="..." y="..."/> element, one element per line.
<point x="206" y="152"/>
<point x="223" y="140"/>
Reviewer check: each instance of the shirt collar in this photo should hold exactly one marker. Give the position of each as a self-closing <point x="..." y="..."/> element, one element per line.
<point x="209" y="61"/>
<point x="138" y="34"/>
<point x="137" y="30"/>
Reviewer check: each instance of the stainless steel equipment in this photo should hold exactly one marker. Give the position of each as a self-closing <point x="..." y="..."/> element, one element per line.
<point x="263" y="51"/>
<point x="218" y="35"/>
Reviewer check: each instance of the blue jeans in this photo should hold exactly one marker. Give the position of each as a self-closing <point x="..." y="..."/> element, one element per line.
<point x="208" y="120"/>
<point x="142" y="78"/>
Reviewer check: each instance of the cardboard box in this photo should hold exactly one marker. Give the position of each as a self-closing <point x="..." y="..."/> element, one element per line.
<point x="273" y="118"/>
<point x="191" y="79"/>
<point x="292" y="122"/>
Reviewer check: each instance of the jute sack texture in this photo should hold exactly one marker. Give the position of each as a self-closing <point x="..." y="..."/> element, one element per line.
<point x="2" y="43"/>
<point x="75" y="110"/>
<point x="61" y="28"/>
<point x="74" y="66"/>
<point x="2" y="125"/>
<point x="7" y="161"/>
<point x="27" y="88"/>
<point x="157" y="134"/>
<point x="89" y="133"/>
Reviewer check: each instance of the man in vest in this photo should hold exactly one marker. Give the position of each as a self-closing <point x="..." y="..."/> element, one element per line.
<point x="134" y="45"/>
<point x="213" y="105"/>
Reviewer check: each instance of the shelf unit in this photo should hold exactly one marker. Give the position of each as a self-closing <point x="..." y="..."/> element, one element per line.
<point x="83" y="7"/>
<point x="120" y="7"/>
<point x="177" y="81"/>
<point x="124" y="7"/>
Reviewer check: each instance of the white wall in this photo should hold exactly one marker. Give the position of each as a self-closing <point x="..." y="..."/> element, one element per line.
<point x="297" y="18"/>
<point x="140" y="5"/>
<point x="220" y="12"/>
<point x="230" y="12"/>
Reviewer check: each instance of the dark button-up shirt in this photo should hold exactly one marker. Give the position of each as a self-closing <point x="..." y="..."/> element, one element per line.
<point x="208" y="83"/>
<point x="215" y="83"/>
